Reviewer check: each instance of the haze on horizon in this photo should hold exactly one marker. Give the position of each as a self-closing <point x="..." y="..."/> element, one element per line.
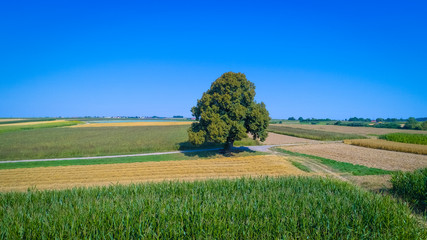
<point x="328" y="59"/>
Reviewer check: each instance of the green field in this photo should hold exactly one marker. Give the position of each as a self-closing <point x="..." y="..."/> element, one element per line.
<point x="76" y="142"/>
<point x="262" y="208"/>
<point x="406" y="138"/>
<point x="312" y="134"/>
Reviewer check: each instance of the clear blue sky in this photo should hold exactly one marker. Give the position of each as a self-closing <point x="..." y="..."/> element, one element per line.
<point x="335" y="59"/>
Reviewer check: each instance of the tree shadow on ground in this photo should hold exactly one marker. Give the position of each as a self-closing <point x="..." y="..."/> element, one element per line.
<point x="217" y="149"/>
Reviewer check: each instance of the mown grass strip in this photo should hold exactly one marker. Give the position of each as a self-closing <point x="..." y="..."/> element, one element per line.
<point x="389" y="145"/>
<point x="151" y="158"/>
<point x="312" y="134"/>
<point x="248" y="208"/>
<point x="355" y="169"/>
<point x="301" y="166"/>
<point x="406" y="138"/>
<point x="4" y="129"/>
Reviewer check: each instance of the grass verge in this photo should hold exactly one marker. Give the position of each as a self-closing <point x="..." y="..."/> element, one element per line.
<point x="247" y="208"/>
<point x="301" y="166"/>
<point x="354" y="169"/>
<point x="312" y="134"/>
<point x="152" y="158"/>
<point x="389" y="145"/>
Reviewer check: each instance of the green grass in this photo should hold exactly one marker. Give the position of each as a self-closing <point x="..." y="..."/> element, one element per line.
<point x="153" y="158"/>
<point x="354" y="169"/>
<point x="5" y="129"/>
<point x="312" y="134"/>
<point x="301" y="166"/>
<point x="262" y="208"/>
<point x="406" y="138"/>
<point x="99" y="141"/>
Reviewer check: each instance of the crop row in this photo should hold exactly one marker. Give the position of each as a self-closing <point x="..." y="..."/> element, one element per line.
<point x="406" y="138"/>
<point x="266" y="208"/>
<point x="388" y="145"/>
<point x="312" y="134"/>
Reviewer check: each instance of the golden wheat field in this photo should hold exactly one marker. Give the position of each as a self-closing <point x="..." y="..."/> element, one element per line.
<point x="31" y="123"/>
<point x="96" y="175"/>
<point x="132" y="124"/>
<point x="10" y="119"/>
<point x="389" y="145"/>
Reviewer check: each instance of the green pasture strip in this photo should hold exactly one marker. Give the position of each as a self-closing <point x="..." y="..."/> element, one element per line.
<point x="312" y="134"/>
<point x="301" y="166"/>
<point x="99" y="141"/>
<point x="27" y="120"/>
<point x="244" y="208"/>
<point x="4" y="129"/>
<point x="406" y="138"/>
<point x="151" y="158"/>
<point x="355" y="169"/>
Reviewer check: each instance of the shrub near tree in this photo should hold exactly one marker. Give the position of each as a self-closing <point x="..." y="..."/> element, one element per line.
<point x="227" y="112"/>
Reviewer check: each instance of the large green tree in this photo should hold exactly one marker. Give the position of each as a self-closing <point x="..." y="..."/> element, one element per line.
<point x="227" y="112"/>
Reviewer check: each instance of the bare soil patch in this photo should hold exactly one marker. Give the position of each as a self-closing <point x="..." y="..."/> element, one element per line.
<point x="352" y="130"/>
<point x="374" y="183"/>
<point x="277" y="139"/>
<point x="376" y="158"/>
<point x="95" y="175"/>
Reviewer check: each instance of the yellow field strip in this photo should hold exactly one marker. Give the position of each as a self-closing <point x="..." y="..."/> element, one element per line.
<point x="125" y="173"/>
<point x="10" y="119"/>
<point x="389" y="145"/>
<point x="132" y="124"/>
<point x="31" y="123"/>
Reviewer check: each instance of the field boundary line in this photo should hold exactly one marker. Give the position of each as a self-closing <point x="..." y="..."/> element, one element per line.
<point x="112" y="156"/>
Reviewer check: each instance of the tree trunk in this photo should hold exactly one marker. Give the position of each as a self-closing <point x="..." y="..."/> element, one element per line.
<point x="228" y="147"/>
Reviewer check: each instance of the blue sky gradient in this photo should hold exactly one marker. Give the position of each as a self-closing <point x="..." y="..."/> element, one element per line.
<point x="335" y="59"/>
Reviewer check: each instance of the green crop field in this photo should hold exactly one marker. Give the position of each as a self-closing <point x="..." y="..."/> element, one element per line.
<point x="406" y="138"/>
<point x="74" y="142"/>
<point x="262" y="208"/>
<point x="312" y="134"/>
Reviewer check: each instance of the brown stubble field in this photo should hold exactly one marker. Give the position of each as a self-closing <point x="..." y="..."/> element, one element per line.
<point x="186" y="170"/>
<point x="383" y="159"/>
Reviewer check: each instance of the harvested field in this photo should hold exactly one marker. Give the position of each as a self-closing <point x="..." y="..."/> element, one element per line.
<point x="96" y="175"/>
<point x="9" y="119"/>
<point x="389" y="145"/>
<point x="375" y="158"/>
<point x="276" y="139"/>
<point x="31" y="123"/>
<point x="133" y="124"/>
<point x="352" y="130"/>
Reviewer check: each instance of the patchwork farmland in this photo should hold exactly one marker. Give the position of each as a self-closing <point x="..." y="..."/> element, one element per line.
<point x="367" y="171"/>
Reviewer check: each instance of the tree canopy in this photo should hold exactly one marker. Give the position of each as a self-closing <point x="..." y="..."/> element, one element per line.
<point x="227" y="112"/>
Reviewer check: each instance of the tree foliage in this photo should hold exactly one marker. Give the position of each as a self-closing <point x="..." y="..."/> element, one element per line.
<point x="227" y="112"/>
